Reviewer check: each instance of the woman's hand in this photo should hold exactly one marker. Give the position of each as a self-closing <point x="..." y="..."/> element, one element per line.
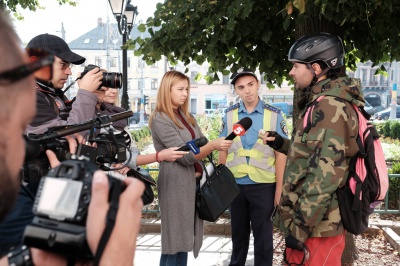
<point x="221" y="144"/>
<point x="171" y="154"/>
<point x="123" y="170"/>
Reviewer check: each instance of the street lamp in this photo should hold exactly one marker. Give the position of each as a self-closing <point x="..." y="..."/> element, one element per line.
<point x="124" y="13"/>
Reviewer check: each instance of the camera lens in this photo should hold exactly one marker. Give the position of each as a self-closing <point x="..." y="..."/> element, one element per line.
<point x="112" y="80"/>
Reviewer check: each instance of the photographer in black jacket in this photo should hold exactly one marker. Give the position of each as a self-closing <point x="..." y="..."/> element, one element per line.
<point x="53" y="108"/>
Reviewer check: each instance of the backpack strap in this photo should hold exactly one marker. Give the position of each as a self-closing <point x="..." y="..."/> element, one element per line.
<point x="307" y="122"/>
<point x="361" y="154"/>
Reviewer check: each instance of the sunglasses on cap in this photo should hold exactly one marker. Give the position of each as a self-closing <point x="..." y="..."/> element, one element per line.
<point x="41" y="66"/>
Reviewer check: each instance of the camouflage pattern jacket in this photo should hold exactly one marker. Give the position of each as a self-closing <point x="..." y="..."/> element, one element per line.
<point x="317" y="165"/>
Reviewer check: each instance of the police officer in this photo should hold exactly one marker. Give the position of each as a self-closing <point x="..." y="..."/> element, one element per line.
<point x="257" y="168"/>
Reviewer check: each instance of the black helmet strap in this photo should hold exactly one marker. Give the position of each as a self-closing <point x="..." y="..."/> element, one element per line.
<point x="315" y="79"/>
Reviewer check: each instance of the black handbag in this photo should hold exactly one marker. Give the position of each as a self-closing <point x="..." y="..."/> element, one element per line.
<point x="145" y="177"/>
<point x="217" y="192"/>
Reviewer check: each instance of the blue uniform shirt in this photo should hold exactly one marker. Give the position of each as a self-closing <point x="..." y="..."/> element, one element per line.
<point x="251" y="136"/>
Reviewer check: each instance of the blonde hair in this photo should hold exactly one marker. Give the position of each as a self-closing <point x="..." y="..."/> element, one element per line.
<point x="164" y="103"/>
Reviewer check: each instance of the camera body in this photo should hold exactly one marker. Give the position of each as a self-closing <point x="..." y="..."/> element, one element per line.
<point x="61" y="207"/>
<point x="37" y="165"/>
<point x="110" y="79"/>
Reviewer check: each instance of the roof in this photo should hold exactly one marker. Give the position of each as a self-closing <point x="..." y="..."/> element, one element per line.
<point x="96" y="39"/>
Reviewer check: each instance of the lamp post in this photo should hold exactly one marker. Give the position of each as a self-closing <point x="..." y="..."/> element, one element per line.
<point x="124" y="13"/>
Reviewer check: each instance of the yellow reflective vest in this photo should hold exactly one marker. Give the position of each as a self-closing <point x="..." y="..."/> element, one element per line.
<point x="261" y="165"/>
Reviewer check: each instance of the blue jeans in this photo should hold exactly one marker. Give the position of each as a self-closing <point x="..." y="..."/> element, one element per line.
<point x="178" y="259"/>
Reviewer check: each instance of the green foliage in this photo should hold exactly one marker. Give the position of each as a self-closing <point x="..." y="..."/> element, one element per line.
<point x="394" y="188"/>
<point x="386" y="129"/>
<point x="259" y="33"/>
<point x="395" y="130"/>
<point x="210" y="127"/>
<point x="142" y="137"/>
<point x="32" y="5"/>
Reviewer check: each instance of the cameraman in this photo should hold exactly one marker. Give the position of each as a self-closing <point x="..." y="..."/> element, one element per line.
<point x="53" y="108"/>
<point x="17" y="106"/>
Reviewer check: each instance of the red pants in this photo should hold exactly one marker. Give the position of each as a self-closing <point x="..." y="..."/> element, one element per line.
<point x="320" y="251"/>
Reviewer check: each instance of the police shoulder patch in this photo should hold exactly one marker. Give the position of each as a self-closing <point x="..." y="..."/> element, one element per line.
<point x="272" y="108"/>
<point x="233" y="107"/>
<point x="284" y="127"/>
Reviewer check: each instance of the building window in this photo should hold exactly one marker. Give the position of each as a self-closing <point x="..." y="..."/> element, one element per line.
<point x="154" y="84"/>
<point x="97" y="61"/>
<point x="128" y="62"/>
<point x="215" y="101"/>
<point x="225" y="79"/>
<point x="193" y="75"/>
<point x="100" y="41"/>
<point x="86" y="41"/>
<point x="363" y="75"/>
<point x="277" y="98"/>
<point x="113" y="62"/>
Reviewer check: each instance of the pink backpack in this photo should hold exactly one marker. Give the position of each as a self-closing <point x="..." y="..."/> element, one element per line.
<point x="368" y="180"/>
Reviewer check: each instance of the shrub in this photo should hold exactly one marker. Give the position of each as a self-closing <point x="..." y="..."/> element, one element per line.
<point x="395" y="130"/>
<point x="386" y="129"/>
<point x="142" y="137"/>
<point x="394" y="188"/>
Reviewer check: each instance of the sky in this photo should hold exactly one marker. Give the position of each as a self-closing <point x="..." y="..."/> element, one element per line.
<point x="77" y="20"/>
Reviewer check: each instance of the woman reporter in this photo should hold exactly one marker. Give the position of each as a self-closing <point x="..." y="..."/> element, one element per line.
<point x="172" y="125"/>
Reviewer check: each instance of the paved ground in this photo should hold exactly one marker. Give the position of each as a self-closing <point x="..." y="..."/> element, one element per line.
<point x="216" y="248"/>
<point x="215" y="251"/>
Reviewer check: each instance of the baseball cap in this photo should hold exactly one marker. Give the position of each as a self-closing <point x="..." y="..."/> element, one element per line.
<point x="242" y="72"/>
<point x="56" y="45"/>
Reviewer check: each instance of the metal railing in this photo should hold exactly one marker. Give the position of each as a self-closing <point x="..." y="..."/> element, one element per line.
<point x="385" y="204"/>
<point x="384" y="207"/>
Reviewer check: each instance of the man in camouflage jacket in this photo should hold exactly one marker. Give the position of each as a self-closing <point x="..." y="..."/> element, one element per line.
<point x="323" y="141"/>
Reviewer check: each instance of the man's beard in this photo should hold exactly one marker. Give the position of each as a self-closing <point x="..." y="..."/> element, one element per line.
<point x="9" y="186"/>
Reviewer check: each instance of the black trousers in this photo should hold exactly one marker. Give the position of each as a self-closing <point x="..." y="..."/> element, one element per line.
<point x="251" y="211"/>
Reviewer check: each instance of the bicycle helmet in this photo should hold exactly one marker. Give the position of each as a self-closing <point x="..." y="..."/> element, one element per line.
<point x="320" y="46"/>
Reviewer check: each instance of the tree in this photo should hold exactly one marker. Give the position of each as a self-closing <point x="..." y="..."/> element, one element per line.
<point x="258" y="33"/>
<point x="32" y="5"/>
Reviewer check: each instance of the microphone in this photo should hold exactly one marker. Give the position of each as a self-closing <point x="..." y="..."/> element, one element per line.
<point x="240" y="128"/>
<point x="194" y="145"/>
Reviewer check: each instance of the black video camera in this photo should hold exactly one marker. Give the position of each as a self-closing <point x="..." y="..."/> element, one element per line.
<point x="61" y="208"/>
<point x="110" y="79"/>
<point x="110" y="148"/>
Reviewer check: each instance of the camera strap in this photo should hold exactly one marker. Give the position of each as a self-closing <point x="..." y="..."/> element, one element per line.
<point x="115" y="192"/>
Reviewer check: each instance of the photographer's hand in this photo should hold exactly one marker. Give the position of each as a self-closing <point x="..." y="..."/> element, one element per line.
<point x="91" y="80"/>
<point x="121" y="246"/>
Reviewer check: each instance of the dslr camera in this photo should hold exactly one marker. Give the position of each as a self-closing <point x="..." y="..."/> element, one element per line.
<point x="61" y="208"/>
<point x="110" y="79"/>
